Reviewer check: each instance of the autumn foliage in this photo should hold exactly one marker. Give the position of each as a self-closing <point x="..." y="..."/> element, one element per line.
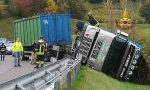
<point x="50" y="6"/>
<point x="24" y="7"/>
<point x="35" y="7"/>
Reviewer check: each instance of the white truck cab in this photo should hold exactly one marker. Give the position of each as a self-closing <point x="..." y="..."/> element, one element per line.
<point x="113" y="54"/>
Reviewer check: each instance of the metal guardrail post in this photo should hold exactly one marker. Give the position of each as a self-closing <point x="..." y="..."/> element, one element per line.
<point x="57" y="85"/>
<point x="75" y="73"/>
<point x="78" y="67"/>
<point x="69" y="81"/>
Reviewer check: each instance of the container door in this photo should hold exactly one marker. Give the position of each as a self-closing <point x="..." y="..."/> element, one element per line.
<point x="63" y="27"/>
<point x="48" y="28"/>
<point x="34" y="29"/>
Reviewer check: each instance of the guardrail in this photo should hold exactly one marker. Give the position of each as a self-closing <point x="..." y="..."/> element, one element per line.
<point x="49" y="74"/>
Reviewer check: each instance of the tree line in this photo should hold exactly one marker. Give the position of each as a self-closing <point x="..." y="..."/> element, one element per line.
<point x="26" y="8"/>
<point x="77" y="8"/>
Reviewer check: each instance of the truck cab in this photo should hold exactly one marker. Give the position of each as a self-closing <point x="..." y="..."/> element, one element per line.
<point x="113" y="54"/>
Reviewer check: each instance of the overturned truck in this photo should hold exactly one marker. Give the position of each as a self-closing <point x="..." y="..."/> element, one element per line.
<point x="113" y="54"/>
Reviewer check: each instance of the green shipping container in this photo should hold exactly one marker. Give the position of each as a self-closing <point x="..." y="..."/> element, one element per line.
<point x="27" y="29"/>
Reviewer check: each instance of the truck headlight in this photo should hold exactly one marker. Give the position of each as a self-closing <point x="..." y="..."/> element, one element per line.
<point x="130" y="73"/>
<point x="132" y="67"/>
<point x="134" y="62"/>
<point x="136" y="56"/>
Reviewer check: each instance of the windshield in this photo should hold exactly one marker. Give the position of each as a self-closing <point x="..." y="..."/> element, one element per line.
<point x="103" y="52"/>
<point x="105" y="45"/>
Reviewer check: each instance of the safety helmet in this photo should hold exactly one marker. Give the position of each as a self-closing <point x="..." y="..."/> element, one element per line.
<point x="89" y="13"/>
<point x="41" y="41"/>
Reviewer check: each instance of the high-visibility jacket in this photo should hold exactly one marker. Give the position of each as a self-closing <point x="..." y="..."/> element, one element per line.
<point x="17" y="47"/>
<point x="40" y="49"/>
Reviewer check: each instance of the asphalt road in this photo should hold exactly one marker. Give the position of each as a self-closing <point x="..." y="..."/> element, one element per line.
<point x="9" y="72"/>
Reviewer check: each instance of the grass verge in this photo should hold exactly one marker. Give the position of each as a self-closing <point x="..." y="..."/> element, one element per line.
<point x="90" y="79"/>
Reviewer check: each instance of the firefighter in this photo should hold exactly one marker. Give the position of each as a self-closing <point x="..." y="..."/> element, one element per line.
<point x="2" y="51"/>
<point x="40" y="49"/>
<point x="92" y="20"/>
<point x="17" y="52"/>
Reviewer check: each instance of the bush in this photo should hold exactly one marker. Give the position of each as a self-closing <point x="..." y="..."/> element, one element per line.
<point x="49" y="6"/>
<point x="77" y="8"/>
<point x="1" y="8"/>
<point x="63" y="6"/>
<point x="12" y="8"/>
<point x="24" y="7"/>
<point x="95" y="1"/>
<point x="37" y="6"/>
<point x="145" y="12"/>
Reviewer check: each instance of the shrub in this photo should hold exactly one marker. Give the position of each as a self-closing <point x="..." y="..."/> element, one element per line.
<point x="24" y="7"/>
<point x="77" y="8"/>
<point x="12" y="8"/>
<point x="1" y="8"/>
<point x="49" y="6"/>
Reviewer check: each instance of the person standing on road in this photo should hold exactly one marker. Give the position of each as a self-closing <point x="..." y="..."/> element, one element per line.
<point x="17" y="52"/>
<point x="2" y="51"/>
<point x="40" y="49"/>
<point x="92" y="20"/>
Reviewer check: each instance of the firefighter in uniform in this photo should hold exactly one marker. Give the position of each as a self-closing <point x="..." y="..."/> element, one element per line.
<point x="2" y="51"/>
<point x="92" y="20"/>
<point x="40" y="49"/>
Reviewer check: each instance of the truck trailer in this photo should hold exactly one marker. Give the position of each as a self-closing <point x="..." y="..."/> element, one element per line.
<point x="54" y="28"/>
<point x="113" y="54"/>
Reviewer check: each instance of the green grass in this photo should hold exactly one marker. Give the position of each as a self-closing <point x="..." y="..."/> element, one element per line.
<point x="144" y="30"/>
<point x="90" y="79"/>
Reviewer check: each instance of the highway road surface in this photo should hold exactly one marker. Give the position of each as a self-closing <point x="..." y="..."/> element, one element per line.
<point x="9" y="72"/>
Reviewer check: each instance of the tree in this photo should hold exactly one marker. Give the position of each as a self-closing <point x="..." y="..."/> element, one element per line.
<point x="49" y="6"/>
<point x="37" y="6"/>
<point x="1" y="8"/>
<point x="7" y="2"/>
<point x="24" y="7"/>
<point x="12" y="8"/>
<point x="145" y="12"/>
<point x="62" y="6"/>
